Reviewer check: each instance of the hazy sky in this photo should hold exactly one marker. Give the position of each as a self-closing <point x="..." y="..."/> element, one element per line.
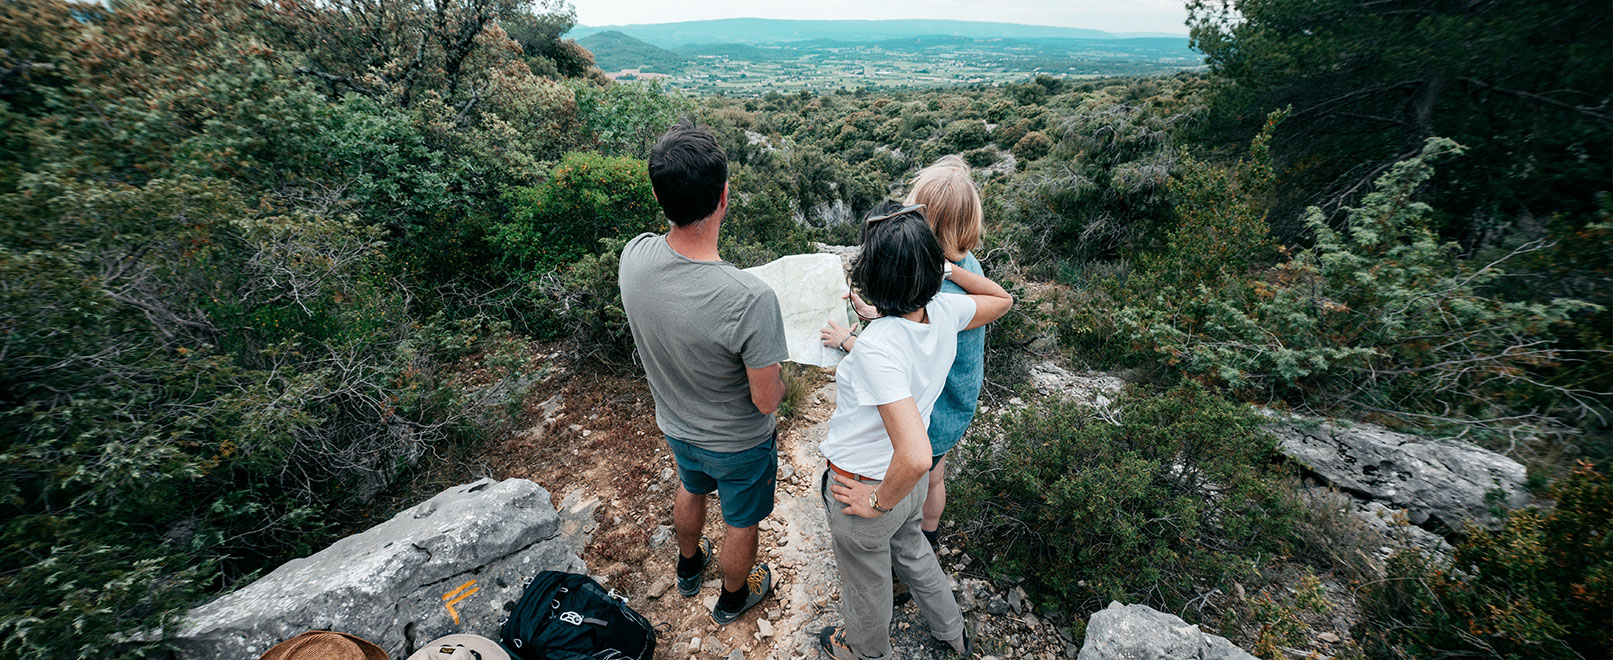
<point x="1109" y="15"/>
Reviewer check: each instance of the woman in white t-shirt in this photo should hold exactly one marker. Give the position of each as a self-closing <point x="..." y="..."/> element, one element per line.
<point x="878" y="450"/>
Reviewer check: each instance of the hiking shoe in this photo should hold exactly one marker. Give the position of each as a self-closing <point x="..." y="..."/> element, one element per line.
<point x="757" y="584"/>
<point x="900" y="595"/>
<point x="961" y="646"/>
<point x="690" y="586"/>
<point x="832" y="641"/>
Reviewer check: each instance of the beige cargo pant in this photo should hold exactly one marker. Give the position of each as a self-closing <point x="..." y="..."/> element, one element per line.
<point x="866" y="550"/>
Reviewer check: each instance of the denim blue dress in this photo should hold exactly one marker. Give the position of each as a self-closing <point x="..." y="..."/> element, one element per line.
<point x="956" y="407"/>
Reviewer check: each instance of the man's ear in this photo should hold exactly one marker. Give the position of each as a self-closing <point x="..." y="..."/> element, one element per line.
<point x="723" y="203"/>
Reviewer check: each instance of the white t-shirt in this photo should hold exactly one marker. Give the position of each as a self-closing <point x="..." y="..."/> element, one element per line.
<point x="894" y="359"/>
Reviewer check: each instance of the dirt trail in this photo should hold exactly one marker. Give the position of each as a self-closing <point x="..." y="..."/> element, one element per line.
<point x="591" y="440"/>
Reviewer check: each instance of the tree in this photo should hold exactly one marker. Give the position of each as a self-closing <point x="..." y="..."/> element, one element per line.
<point x="1527" y="86"/>
<point x="542" y="47"/>
<point x="588" y="198"/>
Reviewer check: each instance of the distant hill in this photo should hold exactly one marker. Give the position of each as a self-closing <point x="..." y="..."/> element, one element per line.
<point x="768" y="31"/>
<point x="614" y="51"/>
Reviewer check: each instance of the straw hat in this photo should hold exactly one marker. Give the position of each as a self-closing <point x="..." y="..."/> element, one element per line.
<point x="325" y="645"/>
<point x="461" y="647"/>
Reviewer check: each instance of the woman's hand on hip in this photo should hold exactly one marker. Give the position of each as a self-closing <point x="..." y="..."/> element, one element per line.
<point x="854" y="494"/>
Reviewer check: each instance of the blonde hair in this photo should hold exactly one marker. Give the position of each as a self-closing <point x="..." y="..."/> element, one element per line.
<point x="952" y="205"/>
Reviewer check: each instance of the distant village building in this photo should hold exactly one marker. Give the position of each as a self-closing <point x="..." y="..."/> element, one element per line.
<point x="635" y="74"/>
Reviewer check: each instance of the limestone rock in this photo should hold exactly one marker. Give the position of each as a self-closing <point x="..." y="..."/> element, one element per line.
<point x="660" y="587"/>
<point x="473" y="546"/>
<point x="1440" y="483"/>
<point x="1095" y="389"/>
<point x="1139" y="632"/>
<point x="1394" y="527"/>
<point x="847" y="253"/>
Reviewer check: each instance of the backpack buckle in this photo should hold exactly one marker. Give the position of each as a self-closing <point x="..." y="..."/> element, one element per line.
<point x="572" y="618"/>
<point x="618" y="596"/>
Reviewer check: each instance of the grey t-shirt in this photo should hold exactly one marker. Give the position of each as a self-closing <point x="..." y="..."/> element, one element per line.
<point x="698" y="325"/>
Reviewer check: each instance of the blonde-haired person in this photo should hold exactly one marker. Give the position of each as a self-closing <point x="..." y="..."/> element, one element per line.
<point x="952" y="208"/>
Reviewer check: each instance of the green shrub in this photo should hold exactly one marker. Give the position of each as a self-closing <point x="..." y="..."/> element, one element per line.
<point x="233" y="385"/>
<point x="588" y="198"/>
<point x="1105" y="194"/>
<point x="1170" y="501"/>
<point x="1540" y="588"/>
<point x="982" y="157"/>
<point x="759" y="228"/>
<point x="965" y="134"/>
<point x="1381" y="318"/>
<point x="217" y="349"/>
<point x="624" y="120"/>
<point x="1034" y="145"/>
<point x="1008" y="135"/>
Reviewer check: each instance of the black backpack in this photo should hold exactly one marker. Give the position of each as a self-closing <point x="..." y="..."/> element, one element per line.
<point x="569" y="616"/>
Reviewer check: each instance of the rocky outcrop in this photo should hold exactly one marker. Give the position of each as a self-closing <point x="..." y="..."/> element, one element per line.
<point x="847" y="253"/>
<point x="826" y="214"/>
<point x="1139" y="632"/>
<point x="1094" y="389"/>
<point x="1441" y="484"/>
<point x="450" y="564"/>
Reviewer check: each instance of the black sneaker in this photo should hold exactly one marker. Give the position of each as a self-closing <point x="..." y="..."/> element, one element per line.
<point x="832" y="641"/>
<point x="690" y="586"/>
<point x="757" y="584"/>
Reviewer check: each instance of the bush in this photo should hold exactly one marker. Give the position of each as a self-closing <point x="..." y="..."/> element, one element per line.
<point x="1380" y="318"/>
<point x="982" y="157"/>
<point x="1034" y="145"/>
<point x="232" y="386"/>
<point x="965" y="134"/>
<point x="1008" y="135"/>
<point x="588" y="198"/>
<point x="1108" y="199"/>
<point x="624" y="120"/>
<point x="1157" y="508"/>
<point x="216" y="349"/>
<point x="1539" y="589"/>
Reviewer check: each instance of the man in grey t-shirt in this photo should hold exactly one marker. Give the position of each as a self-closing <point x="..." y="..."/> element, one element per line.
<point x="711" y="339"/>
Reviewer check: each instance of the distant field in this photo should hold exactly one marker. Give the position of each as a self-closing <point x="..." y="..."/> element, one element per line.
<point x="850" y="62"/>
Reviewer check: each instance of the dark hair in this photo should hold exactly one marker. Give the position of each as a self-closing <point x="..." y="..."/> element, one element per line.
<point x="899" y="269"/>
<point x="688" y="170"/>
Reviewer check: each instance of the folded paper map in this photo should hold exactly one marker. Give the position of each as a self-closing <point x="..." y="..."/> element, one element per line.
<point x="809" y="289"/>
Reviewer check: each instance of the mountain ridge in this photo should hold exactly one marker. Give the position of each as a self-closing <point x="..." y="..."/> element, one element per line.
<point x="768" y="30"/>
<point x="615" y="51"/>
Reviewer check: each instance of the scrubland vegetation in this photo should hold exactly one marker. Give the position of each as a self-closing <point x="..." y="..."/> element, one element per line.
<point x="246" y="245"/>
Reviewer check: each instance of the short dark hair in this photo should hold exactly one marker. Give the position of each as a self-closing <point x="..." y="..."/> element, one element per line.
<point x="899" y="269"/>
<point x="688" y="170"/>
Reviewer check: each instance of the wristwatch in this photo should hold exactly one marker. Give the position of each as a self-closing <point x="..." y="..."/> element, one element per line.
<point x="873" y="501"/>
<point x="946" y="271"/>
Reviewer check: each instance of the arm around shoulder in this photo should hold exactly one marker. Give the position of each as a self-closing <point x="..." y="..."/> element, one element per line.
<point x="991" y="300"/>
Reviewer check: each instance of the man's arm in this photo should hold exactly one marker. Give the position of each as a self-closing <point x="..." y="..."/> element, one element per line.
<point x="911" y="460"/>
<point x="767" y="387"/>
<point x="992" y="301"/>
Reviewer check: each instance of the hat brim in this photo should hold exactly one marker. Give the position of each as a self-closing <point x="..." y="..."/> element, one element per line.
<point x="489" y="649"/>
<point x="283" y="650"/>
